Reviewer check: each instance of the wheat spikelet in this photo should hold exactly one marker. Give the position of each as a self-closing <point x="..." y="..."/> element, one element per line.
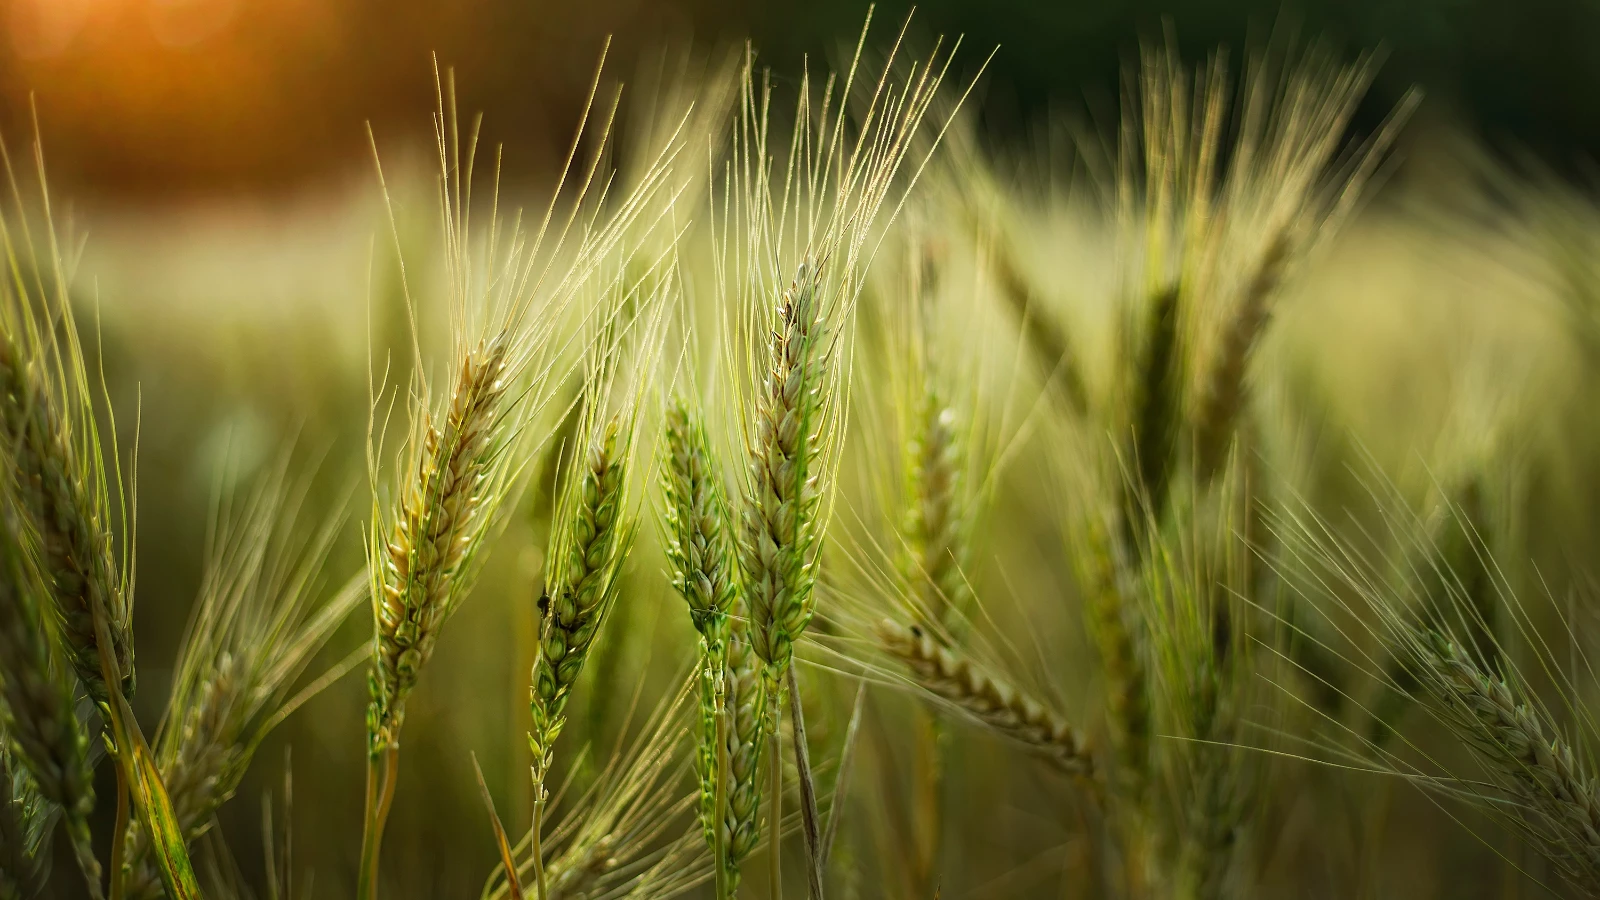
<point x="439" y="521"/>
<point x="1127" y="690"/>
<point x="778" y="541"/>
<point x="1006" y="710"/>
<point x="38" y="709"/>
<point x="61" y="496"/>
<point x="587" y="553"/>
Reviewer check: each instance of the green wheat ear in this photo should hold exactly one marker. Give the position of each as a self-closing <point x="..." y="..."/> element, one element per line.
<point x="38" y="691"/>
<point x="588" y="548"/>
<point x="779" y="534"/>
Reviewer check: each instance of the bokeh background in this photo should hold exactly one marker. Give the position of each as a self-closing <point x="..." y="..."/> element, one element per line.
<point x="214" y="157"/>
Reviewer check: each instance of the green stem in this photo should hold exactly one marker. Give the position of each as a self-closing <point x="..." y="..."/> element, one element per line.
<point x="380" y="796"/>
<point x="539" y="878"/>
<point x="119" y="838"/>
<point x="810" y="818"/>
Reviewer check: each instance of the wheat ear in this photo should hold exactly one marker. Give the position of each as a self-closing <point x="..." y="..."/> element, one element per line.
<point x="1558" y="792"/>
<point x="62" y="499"/>
<point x="38" y="709"/>
<point x="779" y="540"/>
<point x="702" y="569"/>
<point x="439" y="518"/>
<point x="588" y="547"/>
<point x="1223" y="388"/>
<point x="419" y="571"/>
<point x="988" y="699"/>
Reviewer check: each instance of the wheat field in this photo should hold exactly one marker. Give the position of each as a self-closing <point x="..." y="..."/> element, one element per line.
<point x="798" y="493"/>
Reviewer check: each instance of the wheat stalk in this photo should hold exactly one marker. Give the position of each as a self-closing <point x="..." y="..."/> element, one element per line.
<point x="970" y="688"/>
<point x="38" y="709"/>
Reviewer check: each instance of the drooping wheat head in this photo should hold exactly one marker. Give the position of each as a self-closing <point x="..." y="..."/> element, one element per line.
<point x="971" y="689"/>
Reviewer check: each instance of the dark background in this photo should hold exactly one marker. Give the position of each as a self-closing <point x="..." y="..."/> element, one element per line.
<point x="177" y="97"/>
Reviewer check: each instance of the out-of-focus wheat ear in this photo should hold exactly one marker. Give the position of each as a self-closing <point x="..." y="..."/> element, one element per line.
<point x="1116" y="628"/>
<point x="745" y="700"/>
<point x="25" y="821"/>
<point x="779" y="536"/>
<point x="62" y="493"/>
<point x="986" y="698"/>
<point x="38" y="707"/>
<point x="1155" y="404"/>
<point x="1048" y="340"/>
<point x="1222" y="385"/>
<point x="935" y="528"/>
<point x="257" y="624"/>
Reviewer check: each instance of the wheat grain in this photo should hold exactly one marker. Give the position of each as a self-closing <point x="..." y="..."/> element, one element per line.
<point x="970" y="688"/>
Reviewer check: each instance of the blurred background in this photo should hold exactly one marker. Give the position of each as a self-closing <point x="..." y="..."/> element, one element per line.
<point x="213" y="156"/>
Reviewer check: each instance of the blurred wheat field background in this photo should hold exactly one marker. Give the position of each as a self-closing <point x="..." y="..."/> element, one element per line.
<point x="1194" y="503"/>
